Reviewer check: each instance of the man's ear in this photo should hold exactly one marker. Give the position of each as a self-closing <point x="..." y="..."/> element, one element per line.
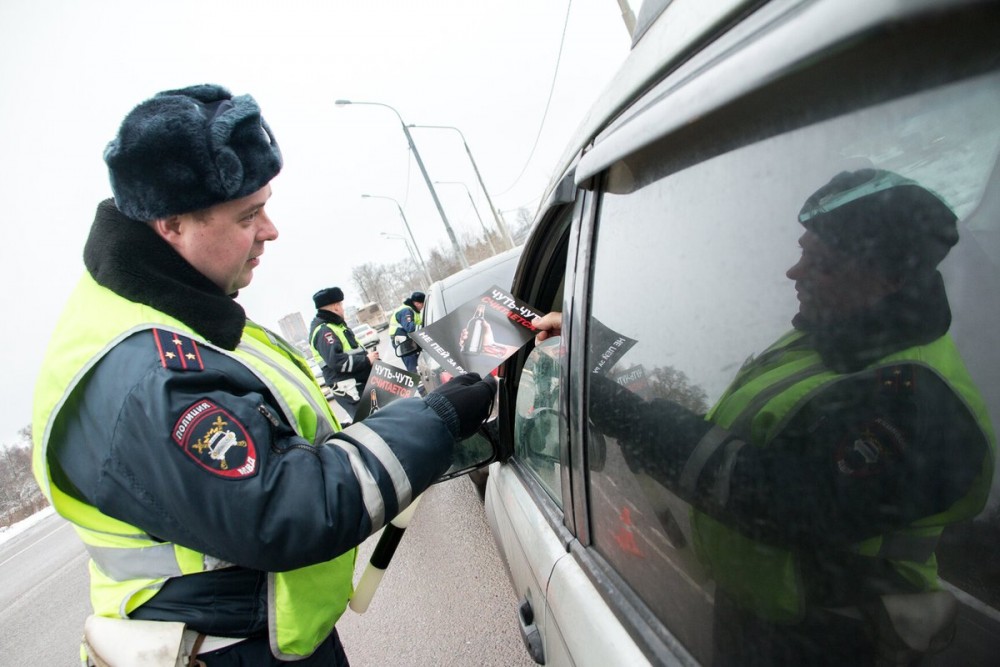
<point x="169" y="228"/>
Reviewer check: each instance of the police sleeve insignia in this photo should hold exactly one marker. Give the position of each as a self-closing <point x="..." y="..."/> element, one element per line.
<point x="866" y="451"/>
<point x="216" y="441"/>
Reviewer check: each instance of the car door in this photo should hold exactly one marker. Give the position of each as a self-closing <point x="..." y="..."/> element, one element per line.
<point x="687" y="216"/>
<point x="564" y="618"/>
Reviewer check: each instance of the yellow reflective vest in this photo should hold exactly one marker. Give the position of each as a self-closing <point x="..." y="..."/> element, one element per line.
<point x="128" y="566"/>
<point x="339" y="330"/>
<point x="765" y="578"/>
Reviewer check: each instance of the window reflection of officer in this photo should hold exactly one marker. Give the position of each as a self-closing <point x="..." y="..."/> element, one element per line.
<point x="826" y="472"/>
<point x="340" y="356"/>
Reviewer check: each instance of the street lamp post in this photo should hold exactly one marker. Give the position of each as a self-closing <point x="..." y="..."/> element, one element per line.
<point x="406" y="223"/>
<point x="400" y="237"/>
<point x="501" y="225"/>
<point x="423" y="172"/>
<point x="474" y="208"/>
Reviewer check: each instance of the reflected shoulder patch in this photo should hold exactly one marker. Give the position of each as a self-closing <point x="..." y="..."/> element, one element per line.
<point x="216" y="440"/>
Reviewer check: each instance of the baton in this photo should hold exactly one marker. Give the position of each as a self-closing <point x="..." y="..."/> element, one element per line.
<point x="377" y="564"/>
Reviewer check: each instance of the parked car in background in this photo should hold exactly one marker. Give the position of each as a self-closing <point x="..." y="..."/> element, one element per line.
<point x="664" y="238"/>
<point x="317" y="372"/>
<point x="443" y="296"/>
<point x="366" y="336"/>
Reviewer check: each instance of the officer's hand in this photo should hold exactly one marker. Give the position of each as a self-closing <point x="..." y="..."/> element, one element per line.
<point x="469" y="398"/>
<point x="373" y="356"/>
<point x="548" y="326"/>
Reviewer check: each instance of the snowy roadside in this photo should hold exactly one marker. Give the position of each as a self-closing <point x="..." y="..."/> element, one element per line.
<point x="7" y="532"/>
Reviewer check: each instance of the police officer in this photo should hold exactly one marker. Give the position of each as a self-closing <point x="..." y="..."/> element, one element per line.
<point x="405" y="320"/>
<point x="825" y="474"/>
<point x="340" y="356"/>
<point x="192" y="449"/>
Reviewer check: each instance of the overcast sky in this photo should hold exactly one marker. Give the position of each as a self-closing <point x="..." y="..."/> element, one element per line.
<point x="71" y="70"/>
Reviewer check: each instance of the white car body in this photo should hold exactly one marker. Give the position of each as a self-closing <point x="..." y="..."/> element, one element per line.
<point x="365" y="335"/>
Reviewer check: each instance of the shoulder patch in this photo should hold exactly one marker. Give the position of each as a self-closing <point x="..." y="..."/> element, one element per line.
<point x="216" y="441"/>
<point x="869" y="449"/>
<point x="177" y="352"/>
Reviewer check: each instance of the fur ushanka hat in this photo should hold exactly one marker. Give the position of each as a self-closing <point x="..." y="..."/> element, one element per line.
<point x="188" y="149"/>
<point x="325" y="297"/>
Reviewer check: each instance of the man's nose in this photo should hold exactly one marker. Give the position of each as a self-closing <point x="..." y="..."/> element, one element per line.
<point x="268" y="230"/>
<point x="795" y="271"/>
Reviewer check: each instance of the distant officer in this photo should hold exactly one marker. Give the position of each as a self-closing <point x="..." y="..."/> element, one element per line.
<point x="192" y="449"/>
<point x="342" y="359"/>
<point x="405" y="320"/>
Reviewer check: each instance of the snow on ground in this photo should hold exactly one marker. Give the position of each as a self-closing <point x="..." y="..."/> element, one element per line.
<point x="7" y="532"/>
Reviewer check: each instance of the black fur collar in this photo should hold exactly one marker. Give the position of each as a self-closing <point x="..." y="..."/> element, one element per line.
<point x="328" y="316"/>
<point x="128" y="257"/>
<point x="916" y="315"/>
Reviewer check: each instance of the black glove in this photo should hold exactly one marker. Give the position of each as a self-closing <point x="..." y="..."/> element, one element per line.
<point x="463" y="403"/>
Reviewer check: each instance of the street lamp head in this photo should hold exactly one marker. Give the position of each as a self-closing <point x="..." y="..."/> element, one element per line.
<point x="341" y="103"/>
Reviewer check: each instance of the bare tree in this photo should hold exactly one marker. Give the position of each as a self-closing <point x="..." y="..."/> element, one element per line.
<point x="522" y="225"/>
<point x="669" y="383"/>
<point x="20" y="496"/>
<point x="370" y="279"/>
<point x="389" y="284"/>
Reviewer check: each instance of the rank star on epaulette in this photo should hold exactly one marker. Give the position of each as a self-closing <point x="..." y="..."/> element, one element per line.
<point x="897" y="379"/>
<point x="216" y="441"/>
<point x="177" y="352"/>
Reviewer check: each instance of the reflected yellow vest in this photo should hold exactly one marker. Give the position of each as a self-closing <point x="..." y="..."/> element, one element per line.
<point x="127" y="567"/>
<point x="763" y="578"/>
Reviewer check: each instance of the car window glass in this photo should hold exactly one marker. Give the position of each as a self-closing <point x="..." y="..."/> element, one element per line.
<point x="540" y="426"/>
<point x="690" y="297"/>
<point x="537" y="422"/>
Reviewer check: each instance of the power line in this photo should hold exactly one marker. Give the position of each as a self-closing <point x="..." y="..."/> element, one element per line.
<point x="552" y="87"/>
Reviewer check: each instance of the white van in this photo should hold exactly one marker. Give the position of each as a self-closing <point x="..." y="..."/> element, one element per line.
<point x="665" y="496"/>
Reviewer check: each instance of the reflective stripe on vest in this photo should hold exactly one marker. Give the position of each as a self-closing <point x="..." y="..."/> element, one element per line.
<point x="766" y="394"/>
<point x="311" y="416"/>
<point x="127" y="566"/>
<point x="340" y="330"/>
<point x="394" y="321"/>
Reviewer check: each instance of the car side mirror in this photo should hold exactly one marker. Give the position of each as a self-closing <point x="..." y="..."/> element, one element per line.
<point x="404" y="345"/>
<point x="478" y="450"/>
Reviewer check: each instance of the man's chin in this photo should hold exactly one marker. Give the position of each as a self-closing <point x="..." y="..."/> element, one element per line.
<point x="801" y="322"/>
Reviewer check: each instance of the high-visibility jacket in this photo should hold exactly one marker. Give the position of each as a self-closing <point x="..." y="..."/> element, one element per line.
<point x="765" y="578"/>
<point x="339" y="330"/>
<point x="396" y="325"/>
<point x="128" y="566"/>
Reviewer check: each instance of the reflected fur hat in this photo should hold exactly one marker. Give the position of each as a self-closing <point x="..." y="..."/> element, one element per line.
<point x="188" y="149"/>
<point x="893" y="223"/>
